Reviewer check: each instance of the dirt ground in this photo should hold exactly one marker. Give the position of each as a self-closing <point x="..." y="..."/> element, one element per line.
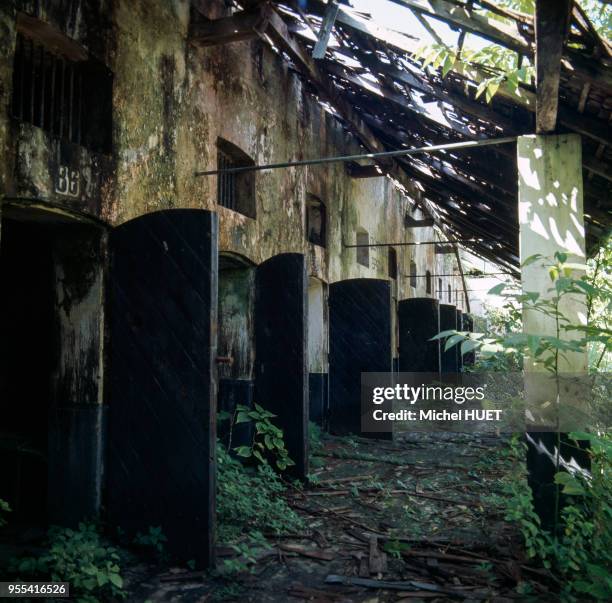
<point x="417" y="519"/>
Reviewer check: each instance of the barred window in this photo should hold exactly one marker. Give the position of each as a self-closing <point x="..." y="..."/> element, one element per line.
<point x="316" y="218"/>
<point x="70" y="99"/>
<point x="392" y="263"/>
<point x="236" y="191"/>
<point x="413" y="274"/>
<point x="363" y="252"/>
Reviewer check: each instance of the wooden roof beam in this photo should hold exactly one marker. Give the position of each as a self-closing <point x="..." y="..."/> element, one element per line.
<point x="326" y="29"/>
<point x="462" y="17"/>
<point x="569" y="118"/>
<point x="551" y="27"/>
<point x="243" y="25"/>
<point x="281" y="36"/>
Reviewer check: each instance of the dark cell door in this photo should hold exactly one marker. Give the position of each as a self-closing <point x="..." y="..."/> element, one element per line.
<point x="359" y="342"/>
<point x="281" y="355"/>
<point x="162" y="399"/>
<point x="419" y="321"/>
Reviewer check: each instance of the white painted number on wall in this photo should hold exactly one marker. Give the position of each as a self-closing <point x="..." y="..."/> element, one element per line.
<point x="67" y="181"/>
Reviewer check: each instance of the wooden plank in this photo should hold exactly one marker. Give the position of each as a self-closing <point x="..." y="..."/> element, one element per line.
<point x="507" y="34"/>
<point x="243" y="25"/>
<point x="326" y="29"/>
<point x="551" y="27"/>
<point x="410" y="222"/>
<point x="53" y="39"/>
<point x="581" y="124"/>
<point x="354" y="170"/>
<point x="279" y="33"/>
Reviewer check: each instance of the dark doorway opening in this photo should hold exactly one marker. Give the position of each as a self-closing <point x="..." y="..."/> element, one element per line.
<point x="27" y="344"/>
<point x="51" y="325"/>
<point x="235" y="345"/>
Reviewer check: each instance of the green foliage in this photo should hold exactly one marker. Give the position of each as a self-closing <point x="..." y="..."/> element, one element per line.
<point x="268" y="439"/>
<point x="395" y="548"/>
<point x="249" y="500"/>
<point x="494" y="66"/>
<point x="598" y="12"/>
<point x="580" y="556"/>
<point x="79" y="557"/>
<point x="315" y="447"/>
<point x="4" y="509"/>
<point x="600" y="272"/>
<point x="543" y="349"/>
<point x="153" y="539"/>
<point x="579" y="550"/>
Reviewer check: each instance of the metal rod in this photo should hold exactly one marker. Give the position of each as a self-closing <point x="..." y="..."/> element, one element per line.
<point x="443" y="243"/>
<point x="342" y="158"/>
<point x="457" y="274"/>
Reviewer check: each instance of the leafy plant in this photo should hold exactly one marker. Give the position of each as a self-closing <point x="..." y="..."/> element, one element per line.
<point x="580" y="556"/>
<point x="496" y="67"/>
<point x="544" y="350"/>
<point x="493" y="66"/>
<point x="79" y="557"/>
<point x="268" y="439"/>
<point x="395" y="548"/>
<point x="4" y="509"/>
<point x="579" y="550"/>
<point x="598" y="12"/>
<point x="250" y="500"/>
<point x="153" y="539"/>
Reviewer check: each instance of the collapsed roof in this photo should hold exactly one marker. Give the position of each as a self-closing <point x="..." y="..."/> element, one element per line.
<point x="377" y="82"/>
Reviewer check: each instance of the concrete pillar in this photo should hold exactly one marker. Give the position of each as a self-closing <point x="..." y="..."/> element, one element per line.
<point x="551" y="220"/>
<point x="77" y="415"/>
<point x="7" y="50"/>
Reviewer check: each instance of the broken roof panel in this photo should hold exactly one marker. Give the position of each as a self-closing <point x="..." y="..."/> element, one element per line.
<point x="373" y="74"/>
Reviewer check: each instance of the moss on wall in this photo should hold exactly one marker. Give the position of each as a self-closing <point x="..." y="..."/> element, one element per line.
<point x="172" y="99"/>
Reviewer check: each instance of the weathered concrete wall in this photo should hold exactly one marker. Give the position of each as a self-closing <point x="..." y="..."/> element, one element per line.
<point x="172" y="100"/>
<point x="79" y="308"/>
<point x="235" y="331"/>
<point x="318" y="328"/>
<point x="7" y="45"/>
<point x="551" y="219"/>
